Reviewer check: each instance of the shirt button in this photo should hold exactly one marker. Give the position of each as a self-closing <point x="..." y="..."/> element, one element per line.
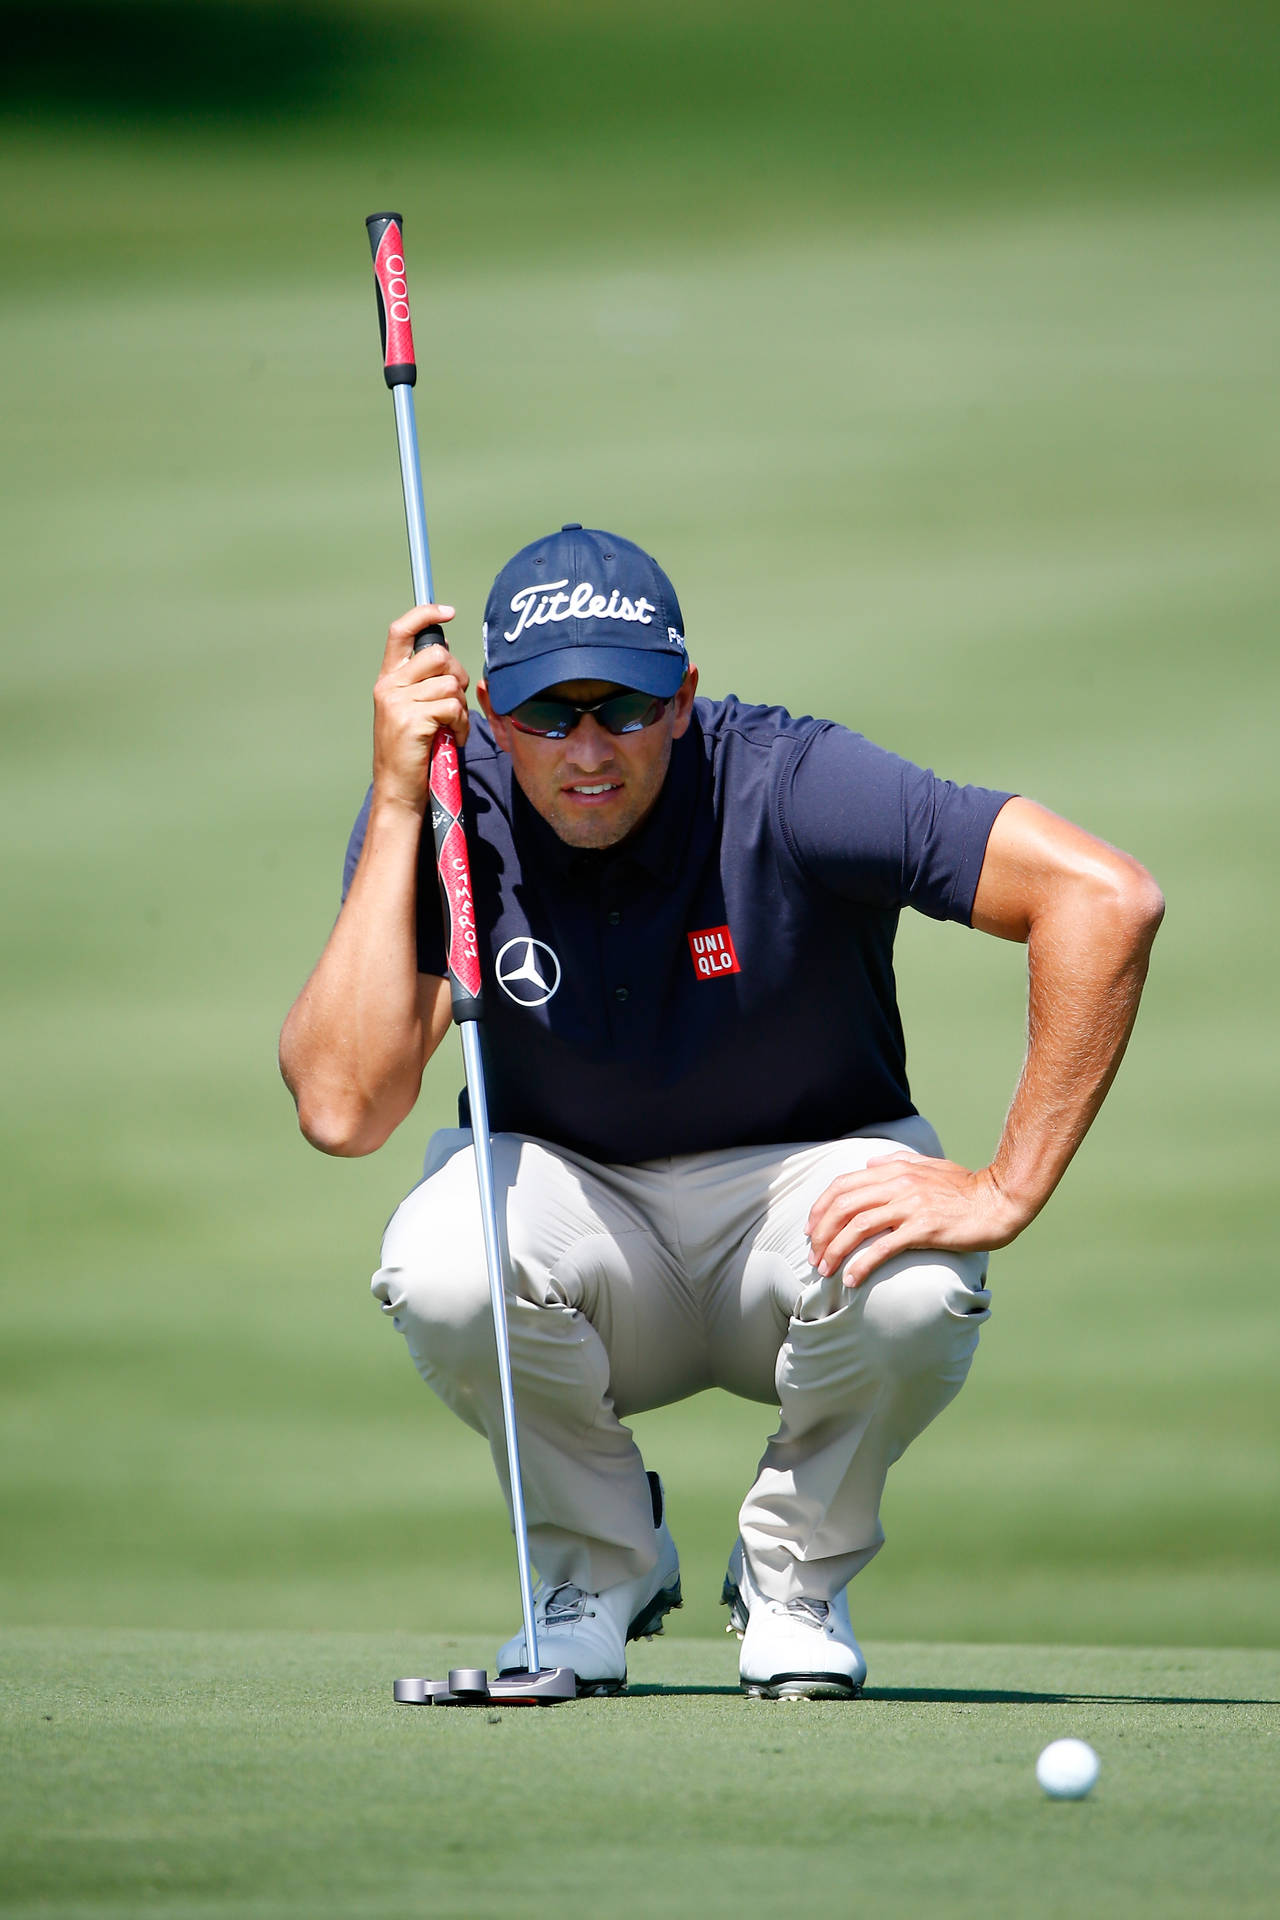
<point x="614" y="918"/>
<point x="622" y="993"/>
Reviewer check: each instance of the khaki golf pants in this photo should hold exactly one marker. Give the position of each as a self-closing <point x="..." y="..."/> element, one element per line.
<point x="633" y="1286"/>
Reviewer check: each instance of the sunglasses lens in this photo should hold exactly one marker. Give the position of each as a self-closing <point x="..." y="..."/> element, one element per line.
<point x="629" y="712"/>
<point x="555" y="719"/>
<point x="551" y="719"/>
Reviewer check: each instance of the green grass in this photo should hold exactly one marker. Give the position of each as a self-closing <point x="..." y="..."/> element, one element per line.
<point x="1000" y="492"/>
<point x="194" y="1775"/>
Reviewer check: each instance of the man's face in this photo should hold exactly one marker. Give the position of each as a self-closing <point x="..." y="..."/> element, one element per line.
<point x="593" y="788"/>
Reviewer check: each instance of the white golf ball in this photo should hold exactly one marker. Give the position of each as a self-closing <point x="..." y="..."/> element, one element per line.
<point x="1067" y="1769"/>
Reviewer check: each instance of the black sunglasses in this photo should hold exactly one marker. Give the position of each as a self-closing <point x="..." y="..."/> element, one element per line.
<point x="626" y="712"/>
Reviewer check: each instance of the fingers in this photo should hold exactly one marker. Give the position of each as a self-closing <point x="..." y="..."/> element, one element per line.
<point x="432" y="680"/>
<point x="896" y="1202"/>
<point x="864" y="1264"/>
<point x="425" y="706"/>
<point x="431" y="675"/>
<point x="849" y="1196"/>
<point x="402" y="633"/>
<point x="869" y="1222"/>
<point x="416" y="695"/>
<point x="416" y="708"/>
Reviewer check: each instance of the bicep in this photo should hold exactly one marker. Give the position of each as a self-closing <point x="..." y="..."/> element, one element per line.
<point x="1035" y="859"/>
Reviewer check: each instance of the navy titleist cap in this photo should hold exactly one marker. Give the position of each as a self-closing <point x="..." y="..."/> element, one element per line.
<point x="581" y="605"/>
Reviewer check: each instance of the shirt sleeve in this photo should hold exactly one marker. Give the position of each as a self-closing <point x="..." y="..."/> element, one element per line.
<point x="430" y="919"/>
<point x="874" y="828"/>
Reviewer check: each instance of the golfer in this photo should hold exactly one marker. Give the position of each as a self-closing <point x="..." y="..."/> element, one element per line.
<point x="709" y="1164"/>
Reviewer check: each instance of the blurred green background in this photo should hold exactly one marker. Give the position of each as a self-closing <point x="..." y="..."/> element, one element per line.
<point x="933" y="350"/>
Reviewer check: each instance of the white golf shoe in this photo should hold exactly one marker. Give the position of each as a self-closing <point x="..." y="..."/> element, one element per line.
<point x="791" y="1649"/>
<point x="589" y="1631"/>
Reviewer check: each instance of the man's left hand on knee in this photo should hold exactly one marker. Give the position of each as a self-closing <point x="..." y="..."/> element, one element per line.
<point x="903" y="1201"/>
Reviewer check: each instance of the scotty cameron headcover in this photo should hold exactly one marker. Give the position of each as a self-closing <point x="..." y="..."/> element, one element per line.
<point x="581" y="605"/>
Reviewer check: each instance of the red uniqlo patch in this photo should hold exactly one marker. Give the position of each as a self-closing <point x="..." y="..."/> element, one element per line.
<point x="713" y="953"/>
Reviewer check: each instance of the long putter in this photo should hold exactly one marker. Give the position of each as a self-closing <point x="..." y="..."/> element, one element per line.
<point x="534" y="1685"/>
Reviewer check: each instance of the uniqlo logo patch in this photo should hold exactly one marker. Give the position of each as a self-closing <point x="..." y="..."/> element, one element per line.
<point x="713" y="953"/>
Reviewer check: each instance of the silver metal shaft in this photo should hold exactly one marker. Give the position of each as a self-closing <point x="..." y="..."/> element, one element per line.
<point x="415" y="513"/>
<point x="498" y="1301"/>
<point x="424" y="593"/>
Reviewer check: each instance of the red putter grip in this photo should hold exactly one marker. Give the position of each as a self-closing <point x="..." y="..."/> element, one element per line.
<point x="454" y="870"/>
<point x="399" y="368"/>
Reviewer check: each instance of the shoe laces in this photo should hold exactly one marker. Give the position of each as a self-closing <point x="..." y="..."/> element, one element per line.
<point x="812" y="1613"/>
<point x="565" y="1604"/>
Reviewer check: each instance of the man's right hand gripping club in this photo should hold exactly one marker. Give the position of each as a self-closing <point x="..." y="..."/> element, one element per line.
<point x="415" y="695"/>
<point x="361" y="1032"/>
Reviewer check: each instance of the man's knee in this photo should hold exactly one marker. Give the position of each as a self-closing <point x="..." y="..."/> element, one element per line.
<point x="441" y="1305"/>
<point x="433" y="1282"/>
<point x="921" y="1312"/>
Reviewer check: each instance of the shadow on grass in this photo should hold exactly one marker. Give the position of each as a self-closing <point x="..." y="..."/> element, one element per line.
<point x="971" y="1696"/>
<point x="1014" y="1697"/>
<point x="654" y="1690"/>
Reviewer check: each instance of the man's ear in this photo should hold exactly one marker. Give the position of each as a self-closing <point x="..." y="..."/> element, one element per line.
<point x="498" y="725"/>
<point x="683" y="710"/>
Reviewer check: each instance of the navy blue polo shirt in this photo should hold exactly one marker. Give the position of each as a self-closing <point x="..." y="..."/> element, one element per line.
<point x="725" y="977"/>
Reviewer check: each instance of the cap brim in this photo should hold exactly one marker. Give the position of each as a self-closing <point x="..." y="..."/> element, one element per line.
<point x="659" y="673"/>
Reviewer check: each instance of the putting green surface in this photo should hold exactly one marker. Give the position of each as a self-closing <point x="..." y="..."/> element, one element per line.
<point x="264" y="1774"/>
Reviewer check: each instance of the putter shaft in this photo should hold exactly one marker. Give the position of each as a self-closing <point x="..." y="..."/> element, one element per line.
<point x="497" y="1295"/>
<point x="424" y="594"/>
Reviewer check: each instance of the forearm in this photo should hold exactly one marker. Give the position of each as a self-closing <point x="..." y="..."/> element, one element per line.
<point x="353" y="1046"/>
<point x="1088" y="915"/>
<point x="1087" y="957"/>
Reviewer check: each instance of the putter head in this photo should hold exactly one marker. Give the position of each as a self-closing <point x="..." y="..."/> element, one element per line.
<point x="417" y="1693"/>
<point x="545" y="1688"/>
<point x="471" y="1687"/>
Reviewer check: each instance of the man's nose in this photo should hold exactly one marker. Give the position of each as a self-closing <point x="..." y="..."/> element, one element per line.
<point x="590" y="746"/>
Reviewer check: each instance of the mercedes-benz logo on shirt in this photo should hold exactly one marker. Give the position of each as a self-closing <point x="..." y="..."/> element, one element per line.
<point x="528" y="971"/>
